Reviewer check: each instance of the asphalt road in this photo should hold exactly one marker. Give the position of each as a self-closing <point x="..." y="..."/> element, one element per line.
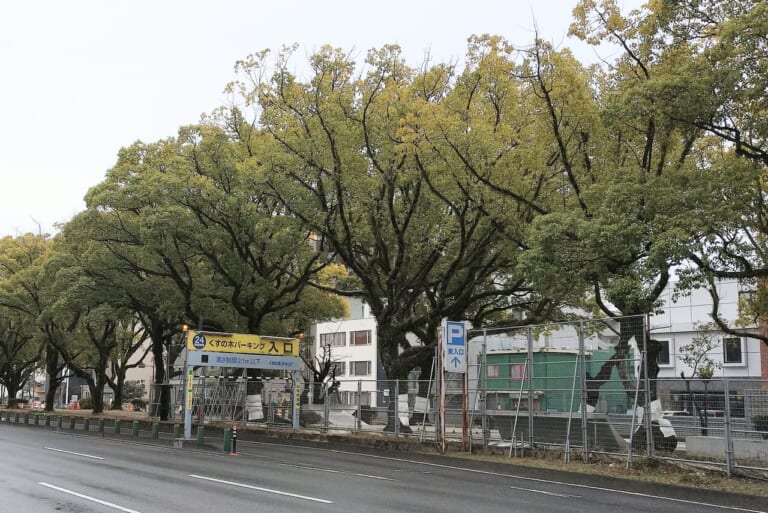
<point x="50" y="471"/>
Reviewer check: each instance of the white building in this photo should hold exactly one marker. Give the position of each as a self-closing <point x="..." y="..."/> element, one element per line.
<point x="354" y="352"/>
<point x="353" y="347"/>
<point x="682" y="321"/>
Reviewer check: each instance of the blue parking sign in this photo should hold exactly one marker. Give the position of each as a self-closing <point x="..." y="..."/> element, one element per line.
<point x="455" y="346"/>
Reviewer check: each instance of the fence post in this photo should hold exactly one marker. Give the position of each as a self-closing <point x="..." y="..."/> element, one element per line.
<point x="200" y="435"/>
<point x="359" y="422"/>
<point x="135" y="429"/>
<point x="326" y="410"/>
<point x="530" y="388"/>
<point x="583" y="360"/>
<point x="116" y="427"/>
<point x="155" y="430"/>
<point x="101" y="426"/>
<point x="86" y="424"/>
<point x="728" y="432"/>
<point x="648" y="425"/>
<point x="397" y="407"/>
<point x="484" y="389"/>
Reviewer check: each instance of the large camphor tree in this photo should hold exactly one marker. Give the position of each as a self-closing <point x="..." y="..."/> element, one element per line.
<point x="361" y="158"/>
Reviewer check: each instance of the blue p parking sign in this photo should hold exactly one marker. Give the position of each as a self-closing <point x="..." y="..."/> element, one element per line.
<point x="455" y="346"/>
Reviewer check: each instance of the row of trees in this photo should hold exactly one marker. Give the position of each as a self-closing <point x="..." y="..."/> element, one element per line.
<point x="509" y="188"/>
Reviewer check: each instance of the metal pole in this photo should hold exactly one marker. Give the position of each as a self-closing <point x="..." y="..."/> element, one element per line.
<point x="397" y="407"/>
<point x="189" y="382"/>
<point x="530" y="388"/>
<point x="441" y="389"/>
<point x="429" y="395"/>
<point x="728" y="433"/>
<point x="484" y="390"/>
<point x="296" y="416"/>
<point x="203" y="399"/>
<point x="244" y="415"/>
<point x="632" y="425"/>
<point x="583" y="358"/>
<point x="326" y="409"/>
<point x="567" y="456"/>
<point x="464" y="424"/>
<point x="359" y="423"/>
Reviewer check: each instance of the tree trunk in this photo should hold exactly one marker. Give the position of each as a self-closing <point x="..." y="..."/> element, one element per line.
<point x="117" y="388"/>
<point x="12" y="387"/>
<point x="53" y="368"/>
<point x="97" y="394"/>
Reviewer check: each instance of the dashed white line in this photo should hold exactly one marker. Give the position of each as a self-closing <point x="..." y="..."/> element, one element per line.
<point x="89" y="498"/>
<point x="75" y="453"/>
<point x="332" y="471"/>
<point x="554" y="494"/>
<point x="259" y="488"/>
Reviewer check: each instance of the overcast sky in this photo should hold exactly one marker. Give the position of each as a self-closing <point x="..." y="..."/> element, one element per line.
<point x="83" y="78"/>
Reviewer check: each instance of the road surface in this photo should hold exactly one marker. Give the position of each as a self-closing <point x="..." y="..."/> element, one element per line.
<point x="48" y="471"/>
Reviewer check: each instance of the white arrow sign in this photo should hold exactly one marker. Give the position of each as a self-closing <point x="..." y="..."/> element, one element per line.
<point x="455" y="346"/>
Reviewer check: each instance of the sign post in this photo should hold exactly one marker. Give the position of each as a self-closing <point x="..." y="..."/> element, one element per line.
<point x="188" y="403"/>
<point x="244" y="351"/>
<point x="453" y="359"/>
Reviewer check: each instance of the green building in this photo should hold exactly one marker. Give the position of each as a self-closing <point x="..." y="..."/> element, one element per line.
<point x="556" y="381"/>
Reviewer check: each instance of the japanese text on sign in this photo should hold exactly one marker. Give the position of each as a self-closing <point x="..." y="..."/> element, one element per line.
<point x="241" y="343"/>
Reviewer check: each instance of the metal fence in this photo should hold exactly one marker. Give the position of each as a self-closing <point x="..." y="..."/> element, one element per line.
<point x="582" y="387"/>
<point x="578" y="388"/>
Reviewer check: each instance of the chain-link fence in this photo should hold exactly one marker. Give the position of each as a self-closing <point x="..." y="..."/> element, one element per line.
<point x="580" y="388"/>
<point x="583" y="387"/>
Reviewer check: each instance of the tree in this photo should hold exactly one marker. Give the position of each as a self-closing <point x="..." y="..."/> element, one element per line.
<point x="23" y="291"/>
<point x="19" y="354"/>
<point x="633" y="179"/>
<point x="705" y="69"/>
<point x="354" y="158"/>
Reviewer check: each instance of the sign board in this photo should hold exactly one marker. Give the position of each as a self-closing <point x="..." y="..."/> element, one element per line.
<point x="243" y="361"/>
<point x="241" y="343"/>
<point x="190" y="384"/>
<point x="455" y="346"/>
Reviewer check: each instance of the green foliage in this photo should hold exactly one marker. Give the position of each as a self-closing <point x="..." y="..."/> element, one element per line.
<point x="133" y="390"/>
<point x="696" y="354"/>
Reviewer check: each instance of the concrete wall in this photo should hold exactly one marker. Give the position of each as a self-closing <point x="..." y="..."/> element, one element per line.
<point x="714" y="447"/>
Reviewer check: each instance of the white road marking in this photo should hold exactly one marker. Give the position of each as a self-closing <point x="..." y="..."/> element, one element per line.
<point x="545" y="493"/>
<point x="89" y="498"/>
<point x="268" y="490"/>
<point x="332" y="471"/>
<point x="513" y="476"/>
<point x="75" y="453"/>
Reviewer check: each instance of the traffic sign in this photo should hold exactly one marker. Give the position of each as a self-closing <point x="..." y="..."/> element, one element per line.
<point x="455" y="346"/>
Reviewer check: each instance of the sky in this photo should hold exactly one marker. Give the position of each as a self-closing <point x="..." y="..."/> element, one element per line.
<point x="83" y="78"/>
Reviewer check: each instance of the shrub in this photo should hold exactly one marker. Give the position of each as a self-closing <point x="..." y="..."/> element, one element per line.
<point x="86" y="403"/>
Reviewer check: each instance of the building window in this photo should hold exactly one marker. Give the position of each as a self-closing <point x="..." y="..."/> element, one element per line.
<point x="492" y="371"/>
<point x="662" y="358"/>
<point x="360" y="338"/>
<point x="360" y="368"/>
<point x="732" y="350"/>
<point x="516" y="371"/>
<point x="333" y="339"/>
<point x="339" y="367"/>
